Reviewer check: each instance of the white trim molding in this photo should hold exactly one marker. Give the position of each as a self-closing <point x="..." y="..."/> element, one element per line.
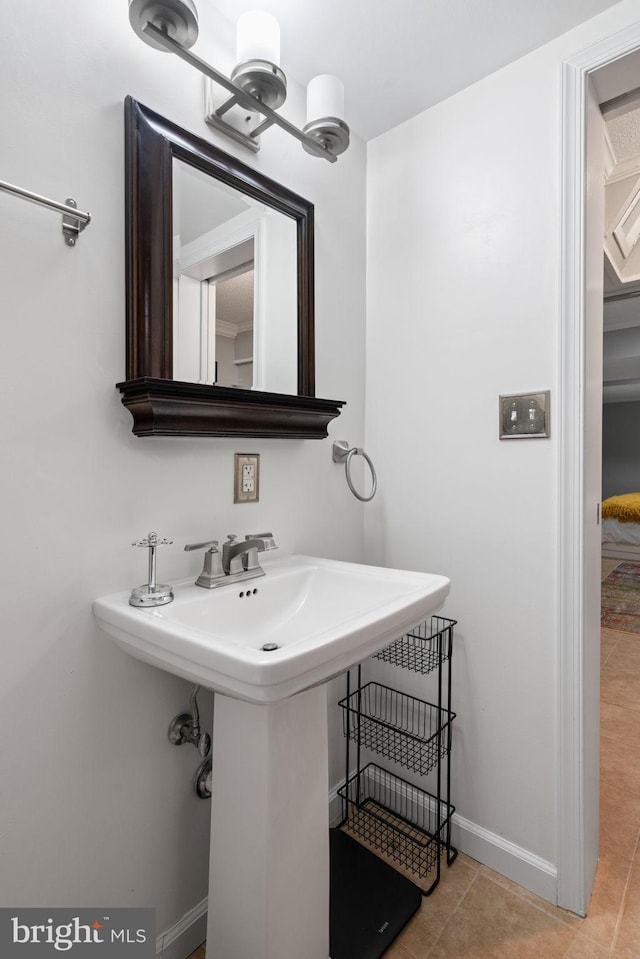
<point x="573" y="872"/>
<point x="510" y="860"/>
<point x="492" y="850"/>
<point x="185" y="935"/>
<point x="571" y="626"/>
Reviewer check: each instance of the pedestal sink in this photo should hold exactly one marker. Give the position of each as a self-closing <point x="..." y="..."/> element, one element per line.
<point x="269" y="859"/>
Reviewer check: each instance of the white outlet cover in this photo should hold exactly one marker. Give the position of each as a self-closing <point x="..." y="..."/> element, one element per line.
<point x="246" y="478"/>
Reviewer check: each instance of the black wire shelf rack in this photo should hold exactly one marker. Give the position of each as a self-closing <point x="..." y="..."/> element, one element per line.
<point x="422" y="649"/>
<point x="409" y="731"/>
<point x="405" y="823"/>
<point x="401" y="821"/>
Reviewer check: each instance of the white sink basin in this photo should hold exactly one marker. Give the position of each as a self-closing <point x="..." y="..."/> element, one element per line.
<point x="323" y="615"/>
<point x="270" y="814"/>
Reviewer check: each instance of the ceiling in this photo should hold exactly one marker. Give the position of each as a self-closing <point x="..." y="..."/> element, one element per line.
<point x="624" y="135"/>
<point x="622" y="184"/>
<point x="399" y="57"/>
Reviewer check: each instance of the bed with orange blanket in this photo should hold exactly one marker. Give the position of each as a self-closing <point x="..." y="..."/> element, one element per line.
<point x="621" y="526"/>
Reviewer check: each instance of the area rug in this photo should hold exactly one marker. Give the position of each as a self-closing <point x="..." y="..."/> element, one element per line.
<point x="621" y="598"/>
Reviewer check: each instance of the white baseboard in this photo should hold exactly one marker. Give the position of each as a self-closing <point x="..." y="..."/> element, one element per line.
<point x="185" y="935"/>
<point x="621" y="551"/>
<point x="335" y="806"/>
<point x="518" y="864"/>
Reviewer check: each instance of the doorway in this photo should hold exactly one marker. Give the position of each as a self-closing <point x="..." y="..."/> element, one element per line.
<point x="595" y="76"/>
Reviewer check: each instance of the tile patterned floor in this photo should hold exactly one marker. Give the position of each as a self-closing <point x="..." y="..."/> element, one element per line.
<point x="477" y="914"/>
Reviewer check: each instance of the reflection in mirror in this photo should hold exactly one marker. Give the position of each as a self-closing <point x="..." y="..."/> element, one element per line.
<point x="235" y="294"/>
<point x="234" y="299"/>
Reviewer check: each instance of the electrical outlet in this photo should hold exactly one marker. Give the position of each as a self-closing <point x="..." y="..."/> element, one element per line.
<point x="246" y="478"/>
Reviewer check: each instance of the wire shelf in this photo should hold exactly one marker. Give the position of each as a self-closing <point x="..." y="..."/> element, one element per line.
<point x="422" y="649"/>
<point x="406" y="730"/>
<point x="400" y="820"/>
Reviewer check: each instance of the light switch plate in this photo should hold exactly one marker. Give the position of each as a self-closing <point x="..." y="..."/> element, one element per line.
<point x="524" y="415"/>
<point x="246" y="478"/>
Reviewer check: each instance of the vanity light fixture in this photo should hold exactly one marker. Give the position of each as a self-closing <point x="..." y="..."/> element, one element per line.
<point x="257" y="84"/>
<point x="257" y="70"/>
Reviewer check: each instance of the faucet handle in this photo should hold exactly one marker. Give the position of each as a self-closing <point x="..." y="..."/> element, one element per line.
<point x="213" y="543"/>
<point x="267" y="539"/>
<point x="212" y="571"/>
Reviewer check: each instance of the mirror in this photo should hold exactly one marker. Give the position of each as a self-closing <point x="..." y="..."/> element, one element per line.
<point x="234" y="287"/>
<point x="220" y="338"/>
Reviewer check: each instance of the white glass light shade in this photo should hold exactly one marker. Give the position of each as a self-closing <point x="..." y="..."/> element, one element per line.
<point x="325" y="98"/>
<point x="258" y="37"/>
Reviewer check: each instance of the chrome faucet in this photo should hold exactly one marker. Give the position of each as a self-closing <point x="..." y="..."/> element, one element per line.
<point x="212" y="573"/>
<point x="243" y="556"/>
<point x="238" y="560"/>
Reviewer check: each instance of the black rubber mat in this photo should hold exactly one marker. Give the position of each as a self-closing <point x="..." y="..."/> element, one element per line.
<point x="369" y="902"/>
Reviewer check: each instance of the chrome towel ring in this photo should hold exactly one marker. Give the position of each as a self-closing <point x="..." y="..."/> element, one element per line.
<point x="343" y="453"/>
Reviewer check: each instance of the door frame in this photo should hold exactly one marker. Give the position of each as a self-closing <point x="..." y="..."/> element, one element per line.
<point x="577" y="749"/>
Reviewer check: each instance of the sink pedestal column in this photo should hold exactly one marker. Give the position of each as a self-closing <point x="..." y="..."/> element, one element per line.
<point x="269" y="862"/>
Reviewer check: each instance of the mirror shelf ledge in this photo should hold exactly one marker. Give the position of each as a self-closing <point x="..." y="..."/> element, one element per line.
<point x="161" y="407"/>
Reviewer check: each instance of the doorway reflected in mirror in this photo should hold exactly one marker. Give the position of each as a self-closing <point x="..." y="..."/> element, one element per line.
<point x="234" y="287"/>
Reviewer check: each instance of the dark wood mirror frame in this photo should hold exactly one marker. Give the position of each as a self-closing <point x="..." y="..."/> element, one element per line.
<point x="163" y="406"/>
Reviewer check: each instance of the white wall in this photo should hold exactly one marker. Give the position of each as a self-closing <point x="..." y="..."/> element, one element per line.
<point x="620" y="448"/>
<point x="621" y="364"/>
<point x="95" y="805"/>
<point x="464" y="233"/>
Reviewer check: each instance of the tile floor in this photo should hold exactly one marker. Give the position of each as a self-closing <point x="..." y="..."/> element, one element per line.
<point x="477" y="914"/>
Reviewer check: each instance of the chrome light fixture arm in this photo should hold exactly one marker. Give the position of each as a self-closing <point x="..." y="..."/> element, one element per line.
<point x="238" y="96"/>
